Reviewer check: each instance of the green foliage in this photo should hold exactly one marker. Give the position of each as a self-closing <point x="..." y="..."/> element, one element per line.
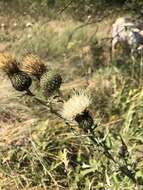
<point x="77" y="9"/>
<point x="135" y="5"/>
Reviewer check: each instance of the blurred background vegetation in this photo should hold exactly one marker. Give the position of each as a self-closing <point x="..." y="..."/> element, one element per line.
<point x="77" y="9"/>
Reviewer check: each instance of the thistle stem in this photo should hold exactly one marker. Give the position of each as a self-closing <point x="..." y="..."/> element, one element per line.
<point x="29" y="93"/>
<point x="49" y="107"/>
<point x="123" y="168"/>
<point x="102" y="144"/>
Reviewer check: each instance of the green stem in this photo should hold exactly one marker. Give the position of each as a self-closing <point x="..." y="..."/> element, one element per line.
<point x="123" y="168"/>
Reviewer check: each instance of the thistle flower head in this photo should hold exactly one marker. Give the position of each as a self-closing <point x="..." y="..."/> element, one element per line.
<point x="50" y="83"/>
<point x="76" y="105"/>
<point x="8" y="63"/>
<point x="20" y="81"/>
<point x="33" y="65"/>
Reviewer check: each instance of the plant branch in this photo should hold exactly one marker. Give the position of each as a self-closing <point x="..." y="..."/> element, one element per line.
<point x="123" y="168"/>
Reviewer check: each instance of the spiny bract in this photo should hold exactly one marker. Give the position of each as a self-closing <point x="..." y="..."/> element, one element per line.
<point x="33" y="65"/>
<point x="50" y="83"/>
<point x="20" y="81"/>
<point x="8" y="63"/>
<point x="84" y="120"/>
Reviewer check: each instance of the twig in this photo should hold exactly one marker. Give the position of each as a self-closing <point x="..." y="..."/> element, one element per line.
<point x="65" y="7"/>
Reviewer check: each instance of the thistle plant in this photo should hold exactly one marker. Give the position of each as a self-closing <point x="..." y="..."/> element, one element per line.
<point x="76" y="109"/>
<point x="19" y="79"/>
<point x="8" y="63"/>
<point x="33" y="65"/>
<point x="50" y="83"/>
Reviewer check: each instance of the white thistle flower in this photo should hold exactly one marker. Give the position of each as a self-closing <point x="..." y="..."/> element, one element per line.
<point x="76" y="105"/>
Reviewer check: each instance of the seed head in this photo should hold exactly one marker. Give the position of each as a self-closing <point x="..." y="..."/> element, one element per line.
<point x="50" y="83"/>
<point x="8" y="63"/>
<point x="76" y="106"/>
<point x="33" y="65"/>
